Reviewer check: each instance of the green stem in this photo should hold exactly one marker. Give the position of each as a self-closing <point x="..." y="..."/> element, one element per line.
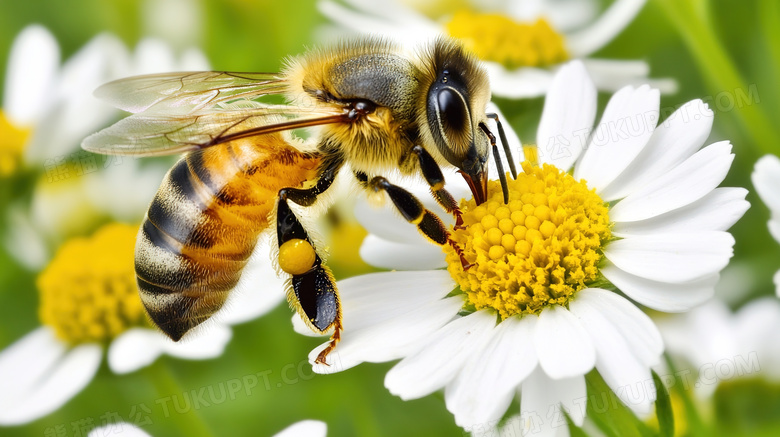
<point x="691" y="18"/>
<point x="696" y="426"/>
<point x="769" y="16"/>
<point x="191" y="425"/>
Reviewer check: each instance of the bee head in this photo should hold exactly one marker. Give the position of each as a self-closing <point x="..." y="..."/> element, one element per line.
<point x="455" y="106"/>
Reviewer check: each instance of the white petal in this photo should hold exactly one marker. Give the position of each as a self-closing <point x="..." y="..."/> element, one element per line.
<point x="590" y="39"/>
<point x="610" y="75"/>
<point x="304" y="428"/>
<point x="385" y="222"/>
<point x="567" y="118"/>
<point x="673" y="258"/>
<point x="23" y="241"/>
<point x="766" y="179"/>
<point x="716" y="211"/>
<point x="193" y="59"/>
<point x="432" y="367"/>
<point x="401" y="256"/>
<point x="388" y="340"/>
<point x="625" y="374"/>
<point x="686" y="183"/>
<point x="121" y="429"/>
<point x="672" y="142"/>
<point x="639" y="331"/>
<point x="200" y="344"/>
<point x="26" y="361"/>
<point x="625" y="127"/>
<point x="32" y="69"/>
<point x="662" y="296"/>
<point x="153" y="56"/>
<point x="385" y="314"/>
<point x="409" y="30"/>
<point x="78" y="113"/>
<point x="134" y="349"/>
<point x="541" y="400"/>
<point x="65" y="378"/>
<point x="521" y="83"/>
<point x="563" y="347"/>
<point x="483" y="390"/>
<point x="777" y="283"/>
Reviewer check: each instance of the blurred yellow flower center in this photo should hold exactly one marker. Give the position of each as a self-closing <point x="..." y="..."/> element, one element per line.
<point x="497" y="38"/>
<point x="537" y="250"/>
<point x="88" y="291"/>
<point x="12" y="141"/>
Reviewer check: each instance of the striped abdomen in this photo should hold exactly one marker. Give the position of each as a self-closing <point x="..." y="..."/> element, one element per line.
<point x="204" y="223"/>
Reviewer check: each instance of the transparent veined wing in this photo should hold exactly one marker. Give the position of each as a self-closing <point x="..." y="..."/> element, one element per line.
<point x="185" y="92"/>
<point x="143" y="134"/>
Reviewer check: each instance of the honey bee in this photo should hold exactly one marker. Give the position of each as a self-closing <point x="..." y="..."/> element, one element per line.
<point x="376" y="109"/>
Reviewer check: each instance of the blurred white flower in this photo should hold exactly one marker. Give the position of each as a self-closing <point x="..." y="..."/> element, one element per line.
<point x="90" y="303"/>
<point x="766" y="179"/>
<point x="714" y="344"/>
<point x="304" y="428"/>
<point x="639" y="212"/>
<point x="521" y="42"/>
<point x="48" y="109"/>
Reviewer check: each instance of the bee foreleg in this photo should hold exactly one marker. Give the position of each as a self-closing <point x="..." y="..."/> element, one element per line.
<point x="428" y="223"/>
<point x="433" y="175"/>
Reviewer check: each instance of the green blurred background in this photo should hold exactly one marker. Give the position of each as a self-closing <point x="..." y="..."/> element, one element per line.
<point x="256" y="36"/>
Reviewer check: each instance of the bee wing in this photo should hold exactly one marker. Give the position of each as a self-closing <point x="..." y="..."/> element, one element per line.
<point x="185" y="92"/>
<point x="145" y="134"/>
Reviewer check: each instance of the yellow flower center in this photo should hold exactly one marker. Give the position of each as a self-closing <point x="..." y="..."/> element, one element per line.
<point x="88" y="291"/>
<point x="496" y="38"/>
<point x="537" y="250"/>
<point x="12" y="141"/>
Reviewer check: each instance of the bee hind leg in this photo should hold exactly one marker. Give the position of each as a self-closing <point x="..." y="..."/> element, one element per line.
<point x="313" y="291"/>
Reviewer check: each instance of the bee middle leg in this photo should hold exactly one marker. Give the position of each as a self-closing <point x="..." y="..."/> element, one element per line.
<point x="428" y="223"/>
<point x="315" y="294"/>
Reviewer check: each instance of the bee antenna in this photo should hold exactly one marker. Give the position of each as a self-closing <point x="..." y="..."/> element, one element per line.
<point x="499" y="166"/>
<point x="507" y="151"/>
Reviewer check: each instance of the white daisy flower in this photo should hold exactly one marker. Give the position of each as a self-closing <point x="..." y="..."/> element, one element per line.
<point x="713" y="344"/>
<point x="522" y="43"/>
<point x="628" y="205"/>
<point x="304" y="428"/>
<point x="89" y="304"/>
<point x="766" y="179"/>
<point x="48" y="109"/>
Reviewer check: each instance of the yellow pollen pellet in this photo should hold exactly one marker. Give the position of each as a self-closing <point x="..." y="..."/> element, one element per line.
<point x="506" y="225"/>
<point x="493" y="236"/>
<point x="478" y="213"/>
<point x="519" y="232"/>
<point x="296" y="256"/>
<point x="528" y="209"/>
<point x="496" y="252"/>
<point x="547" y="228"/>
<point x="489" y="221"/>
<point x="493" y="206"/>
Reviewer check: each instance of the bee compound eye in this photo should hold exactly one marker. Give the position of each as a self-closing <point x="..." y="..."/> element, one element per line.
<point x="452" y="110"/>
